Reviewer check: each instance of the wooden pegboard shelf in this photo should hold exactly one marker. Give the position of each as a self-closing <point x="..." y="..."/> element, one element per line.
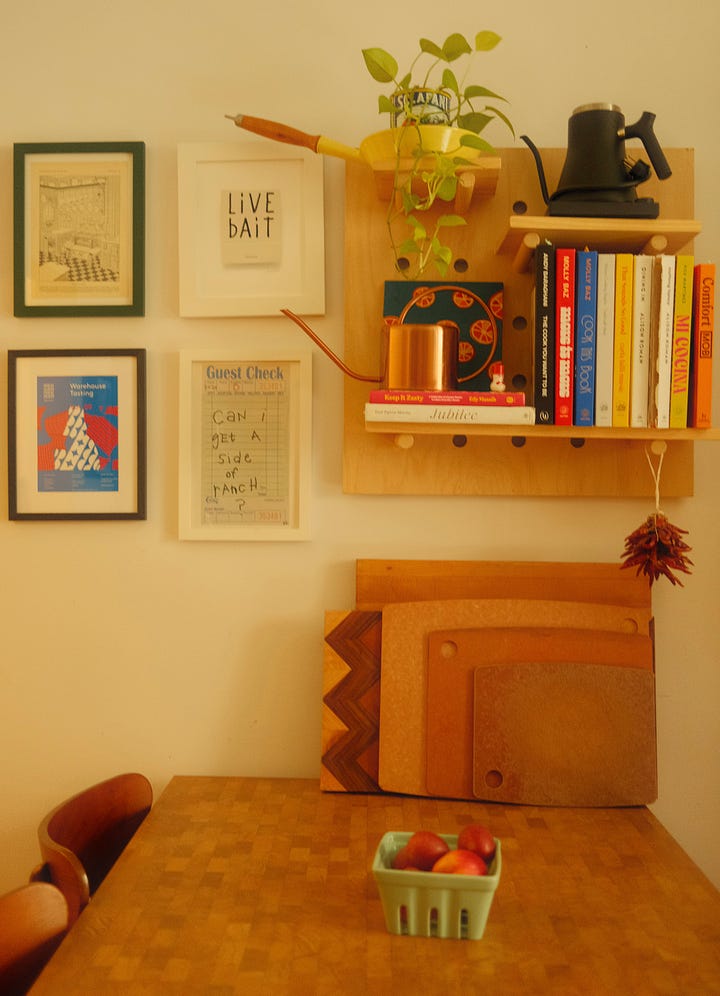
<point x="654" y="236"/>
<point x="409" y="459"/>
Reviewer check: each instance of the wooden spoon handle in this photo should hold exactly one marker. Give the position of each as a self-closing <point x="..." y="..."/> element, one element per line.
<point x="276" y="131"/>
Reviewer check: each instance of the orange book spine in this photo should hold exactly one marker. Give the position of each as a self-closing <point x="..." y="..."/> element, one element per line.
<point x="703" y="333"/>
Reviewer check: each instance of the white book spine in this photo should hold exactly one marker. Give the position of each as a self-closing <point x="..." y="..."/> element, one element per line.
<point x="640" y="369"/>
<point x="665" y="340"/>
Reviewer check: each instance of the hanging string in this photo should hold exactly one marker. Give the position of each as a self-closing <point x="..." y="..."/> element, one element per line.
<point x="660" y="449"/>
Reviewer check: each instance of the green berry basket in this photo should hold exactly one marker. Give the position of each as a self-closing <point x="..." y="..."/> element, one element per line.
<point x="432" y="904"/>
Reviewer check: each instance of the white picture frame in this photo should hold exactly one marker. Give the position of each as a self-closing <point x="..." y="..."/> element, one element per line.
<point x="286" y="179"/>
<point x="245" y="426"/>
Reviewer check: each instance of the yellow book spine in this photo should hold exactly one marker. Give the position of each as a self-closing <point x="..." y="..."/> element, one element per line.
<point x="622" y="343"/>
<point x="682" y="325"/>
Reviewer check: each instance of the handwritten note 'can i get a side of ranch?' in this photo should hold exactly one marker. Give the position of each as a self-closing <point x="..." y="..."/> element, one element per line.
<point x="245" y="443"/>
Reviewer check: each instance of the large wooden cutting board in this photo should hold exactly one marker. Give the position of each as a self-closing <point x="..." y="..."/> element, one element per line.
<point x="379" y="582"/>
<point x="565" y="734"/>
<point x="403" y="679"/>
<point x="454" y="655"/>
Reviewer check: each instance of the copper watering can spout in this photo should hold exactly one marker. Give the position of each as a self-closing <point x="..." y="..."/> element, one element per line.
<point x="415" y="357"/>
<point x="328" y="352"/>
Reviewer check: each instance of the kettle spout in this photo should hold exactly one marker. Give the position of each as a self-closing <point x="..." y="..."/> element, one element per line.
<point x="540" y="169"/>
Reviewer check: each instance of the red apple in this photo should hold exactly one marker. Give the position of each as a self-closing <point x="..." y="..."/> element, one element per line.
<point x="460" y="862"/>
<point x="477" y="838"/>
<point x="421" y="851"/>
<point x="401" y="859"/>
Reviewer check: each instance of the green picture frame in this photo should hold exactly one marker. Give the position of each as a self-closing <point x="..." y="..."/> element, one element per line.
<point x="79" y="229"/>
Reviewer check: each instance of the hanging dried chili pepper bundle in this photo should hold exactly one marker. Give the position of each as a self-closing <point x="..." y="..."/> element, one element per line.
<point x="656" y="548"/>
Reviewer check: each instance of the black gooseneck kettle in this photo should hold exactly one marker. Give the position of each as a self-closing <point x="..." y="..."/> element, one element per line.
<point x="597" y="179"/>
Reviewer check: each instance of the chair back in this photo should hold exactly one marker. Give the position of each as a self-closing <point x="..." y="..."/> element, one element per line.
<point x="81" y="839"/>
<point x="33" y="922"/>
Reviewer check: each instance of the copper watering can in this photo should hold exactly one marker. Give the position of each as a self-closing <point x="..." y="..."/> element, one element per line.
<point x="414" y="357"/>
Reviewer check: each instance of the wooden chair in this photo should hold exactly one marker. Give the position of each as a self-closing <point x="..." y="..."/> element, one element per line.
<point x="33" y="921"/>
<point x="81" y="839"/>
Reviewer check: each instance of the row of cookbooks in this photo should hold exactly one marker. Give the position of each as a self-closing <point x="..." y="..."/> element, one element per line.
<point x="622" y="339"/>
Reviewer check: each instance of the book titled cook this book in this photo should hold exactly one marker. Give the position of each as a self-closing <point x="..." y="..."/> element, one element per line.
<point x="493" y="399"/>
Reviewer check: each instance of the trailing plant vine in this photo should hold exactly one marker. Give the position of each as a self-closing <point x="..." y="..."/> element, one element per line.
<point x="428" y="176"/>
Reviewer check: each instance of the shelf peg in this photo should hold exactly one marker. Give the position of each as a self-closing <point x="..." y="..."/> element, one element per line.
<point x="656" y="245"/>
<point x="527" y="247"/>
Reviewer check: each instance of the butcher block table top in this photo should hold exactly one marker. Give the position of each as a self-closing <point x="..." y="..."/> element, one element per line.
<point x="263" y="885"/>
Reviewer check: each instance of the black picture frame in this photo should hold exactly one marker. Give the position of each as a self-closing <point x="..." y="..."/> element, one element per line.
<point x="77" y="434"/>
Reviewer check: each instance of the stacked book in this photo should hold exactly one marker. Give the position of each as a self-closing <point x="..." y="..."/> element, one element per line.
<point x="622" y="339"/>
<point x="443" y="407"/>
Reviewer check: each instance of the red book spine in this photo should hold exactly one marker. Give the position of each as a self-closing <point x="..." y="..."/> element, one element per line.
<point x="565" y="334"/>
<point x="494" y="399"/>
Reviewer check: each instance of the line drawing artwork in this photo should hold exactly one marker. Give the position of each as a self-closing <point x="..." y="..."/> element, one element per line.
<point x="80" y="228"/>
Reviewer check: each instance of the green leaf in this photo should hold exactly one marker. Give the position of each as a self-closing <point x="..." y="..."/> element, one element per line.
<point x="504" y="119"/>
<point x="449" y="82"/>
<point x="380" y="64"/>
<point x="455" y="46"/>
<point x="474" y="121"/>
<point x="385" y="105"/>
<point x="451" y="221"/>
<point x="408" y="248"/>
<point x="447" y="188"/>
<point x="475" y="142"/>
<point x="480" y="91"/>
<point x="486" y="40"/>
<point x="419" y="229"/>
<point x="409" y="201"/>
<point x="431" y="48"/>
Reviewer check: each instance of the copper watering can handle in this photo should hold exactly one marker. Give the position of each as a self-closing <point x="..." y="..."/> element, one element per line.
<point x="326" y="349"/>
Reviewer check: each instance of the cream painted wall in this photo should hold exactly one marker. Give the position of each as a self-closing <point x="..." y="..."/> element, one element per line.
<point x="125" y="649"/>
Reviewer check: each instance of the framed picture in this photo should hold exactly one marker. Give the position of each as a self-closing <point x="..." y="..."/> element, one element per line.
<point x="77" y="434"/>
<point x="251" y="229"/>
<point x="79" y="229"/>
<point x="245" y="440"/>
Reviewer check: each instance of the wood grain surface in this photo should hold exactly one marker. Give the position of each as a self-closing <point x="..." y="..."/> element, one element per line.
<point x="263" y="886"/>
<point x="454" y="655"/>
<point x="351" y="702"/>
<point x="403" y="680"/>
<point x="378" y="582"/>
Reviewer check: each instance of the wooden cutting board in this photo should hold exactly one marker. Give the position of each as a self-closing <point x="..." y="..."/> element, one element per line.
<point x="565" y="734"/>
<point x="454" y="655"/>
<point x="351" y="702"/>
<point x="403" y="679"/>
<point x="379" y="582"/>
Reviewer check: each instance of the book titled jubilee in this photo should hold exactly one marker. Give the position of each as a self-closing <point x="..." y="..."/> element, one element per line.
<point x="444" y="414"/>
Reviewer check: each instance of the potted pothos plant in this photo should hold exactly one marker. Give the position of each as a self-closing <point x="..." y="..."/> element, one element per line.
<point x="431" y="94"/>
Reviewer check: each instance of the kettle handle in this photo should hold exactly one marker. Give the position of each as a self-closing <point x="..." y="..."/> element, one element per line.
<point x="643" y="129"/>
